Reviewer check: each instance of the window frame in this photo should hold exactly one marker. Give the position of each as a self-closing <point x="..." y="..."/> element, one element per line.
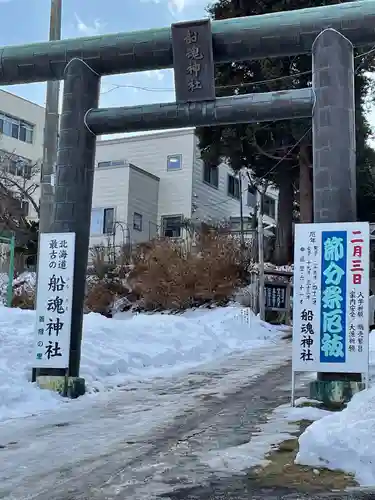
<point x="7" y="124"/>
<point x="138" y="227"/>
<point x="25" y="205"/>
<point x="112" y="164"/>
<point x="105" y="210"/>
<point x="210" y="168"/>
<point x="269" y="198"/>
<point x="177" y="155"/>
<point x="102" y="211"/>
<point x="236" y="181"/>
<point x="16" y="165"/>
<point x="171" y="216"/>
<point x="251" y="192"/>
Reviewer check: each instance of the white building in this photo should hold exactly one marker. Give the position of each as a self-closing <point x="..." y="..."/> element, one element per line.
<point x="148" y="183"/>
<point x="21" y="139"/>
<point x="144" y="184"/>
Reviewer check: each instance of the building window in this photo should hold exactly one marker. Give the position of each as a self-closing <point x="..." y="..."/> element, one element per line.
<point x="104" y="164"/>
<point x="137" y="222"/>
<point x="113" y="163"/>
<point x="15" y="165"/>
<point x="102" y="221"/>
<point x="251" y="196"/>
<point x="19" y="167"/>
<point x="171" y="225"/>
<point x="109" y="220"/>
<point x="233" y="187"/>
<point x="25" y="206"/>
<point x="174" y="162"/>
<point x="211" y="174"/>
<point x="269" y="206"/>
<point x="18" y="129"/>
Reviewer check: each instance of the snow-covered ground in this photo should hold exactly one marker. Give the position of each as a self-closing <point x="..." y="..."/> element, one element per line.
<point x="123" y="349"/>
<point x="147" y="438"/>
<point x="345" y="440"/>
<point x="280" y="426"/>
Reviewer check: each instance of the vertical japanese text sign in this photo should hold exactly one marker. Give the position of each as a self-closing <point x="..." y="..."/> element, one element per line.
<point x="331" y="297"/>
<point x="193" y="61"/>
<point x="54" y="300"/>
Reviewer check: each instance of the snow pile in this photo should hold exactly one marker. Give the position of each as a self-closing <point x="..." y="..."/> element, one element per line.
<point x="148" y="344"/>
<point x="128" y="346"/>
<point x="280" y="426"/>
<point x="17" y="395"/>
<point x="268" y="266"/>
<point x="345" y="440"/>
<point x="4" y="279"/>
<point x="25" y="282"/>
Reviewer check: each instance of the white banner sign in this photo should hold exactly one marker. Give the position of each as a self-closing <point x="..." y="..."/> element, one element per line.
<point x="331" y="297"/>
<point x="54" y="300"/>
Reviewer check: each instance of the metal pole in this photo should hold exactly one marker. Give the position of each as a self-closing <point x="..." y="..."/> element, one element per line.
<point x="12" y="244"/>
<point x="51" y="127"/>
<point x="260" y="196"/>
<point x="242" y="235"/>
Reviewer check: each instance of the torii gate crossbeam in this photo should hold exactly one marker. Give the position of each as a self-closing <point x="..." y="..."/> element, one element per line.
<point x="269" y="35"/>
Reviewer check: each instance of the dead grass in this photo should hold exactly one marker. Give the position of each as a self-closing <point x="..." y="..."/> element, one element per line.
<point x="282" y="472"/>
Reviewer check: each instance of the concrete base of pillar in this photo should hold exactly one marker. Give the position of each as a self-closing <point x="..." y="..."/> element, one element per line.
<point x="71" y="387"/>
<point x="334" y="394"/>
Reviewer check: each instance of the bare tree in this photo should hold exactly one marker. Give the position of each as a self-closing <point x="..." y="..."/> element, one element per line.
<point x="19" y="181"/>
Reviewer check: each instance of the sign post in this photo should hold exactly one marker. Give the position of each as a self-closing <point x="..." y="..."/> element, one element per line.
<point x="54" y="300"/>
<point x="331" y="298"/>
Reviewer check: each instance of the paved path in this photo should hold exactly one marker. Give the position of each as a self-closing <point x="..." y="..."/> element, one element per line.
<point x="238" y="493"/>
<point x="149" y="440"/>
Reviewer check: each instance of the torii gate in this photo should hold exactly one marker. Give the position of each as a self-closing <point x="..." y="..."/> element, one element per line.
<point x="328" y="32"/>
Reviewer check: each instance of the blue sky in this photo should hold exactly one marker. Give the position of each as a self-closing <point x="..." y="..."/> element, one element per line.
<point x="27" y="21"/>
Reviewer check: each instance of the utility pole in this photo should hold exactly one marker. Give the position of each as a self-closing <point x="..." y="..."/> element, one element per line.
<point x="51" y="128"/>
<point x="242" y="234"/>
<point x="260" y="196"/>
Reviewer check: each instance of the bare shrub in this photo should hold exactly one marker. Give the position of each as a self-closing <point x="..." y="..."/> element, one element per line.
<point x="24" y="299"/>
<point x="100" y="262"/>
<point x="102" y="294"/>
<point x="166" y="276"/>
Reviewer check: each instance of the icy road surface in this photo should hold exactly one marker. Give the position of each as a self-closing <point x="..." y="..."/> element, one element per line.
<point x="149" y="438"/>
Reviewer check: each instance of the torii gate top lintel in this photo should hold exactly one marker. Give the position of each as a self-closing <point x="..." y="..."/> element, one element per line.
<point x="269" y="35"/>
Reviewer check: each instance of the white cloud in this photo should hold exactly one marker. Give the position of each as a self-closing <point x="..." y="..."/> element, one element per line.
<point x="178" y="6"/>
<point x="158" y="74"/>
<point x="87" y="30"/>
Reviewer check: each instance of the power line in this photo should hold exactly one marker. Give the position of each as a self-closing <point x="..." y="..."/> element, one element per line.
<point x="235" y="86"/>
<point x="136" y="87"/>
<point x="272" y="169"/>
<point x="243" y="85"/>
<point x="268" y="172"/>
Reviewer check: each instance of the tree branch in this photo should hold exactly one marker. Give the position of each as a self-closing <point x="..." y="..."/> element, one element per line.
<point x="23" y="185"/>
<point x="269" y="155"/>
<point x="24" y="192"/>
